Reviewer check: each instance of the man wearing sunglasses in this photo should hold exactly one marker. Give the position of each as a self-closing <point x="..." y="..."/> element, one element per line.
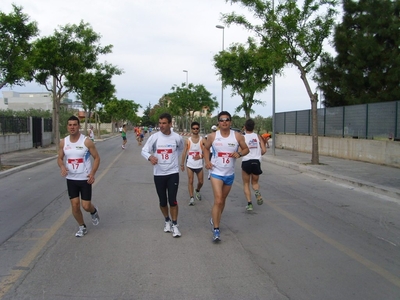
<point x="225" y="144"/>
<point x="193" y="157"/>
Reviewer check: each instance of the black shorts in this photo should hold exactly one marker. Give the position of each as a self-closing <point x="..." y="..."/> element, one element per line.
<point x="79" y="187"/>
<point x="124" y="138"/>
<point x="252" y="166"/>
<point x="197" y="171"/>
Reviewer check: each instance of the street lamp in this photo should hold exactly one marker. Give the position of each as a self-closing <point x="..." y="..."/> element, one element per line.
<point x="222" y="87"/>
<point x="187" y="76"/>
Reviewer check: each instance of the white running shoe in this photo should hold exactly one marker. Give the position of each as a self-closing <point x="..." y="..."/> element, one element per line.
<point x="81" y="231"/>
<point x="191" y="201"/>
<point x="167" y="227"/>
<point x="175" y="231"/>
<point x="95" y="217"/>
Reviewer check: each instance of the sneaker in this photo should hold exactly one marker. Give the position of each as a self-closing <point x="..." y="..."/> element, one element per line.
<point x="249" y="207"/>
<point x="216" y="235"/>
<point x="81" y="231"/>
<point x="191" y="201"/>
<point x="198" y="196"/>
<point x="95" y="217"/>
<point x="175" y="231"/>
<point x="167" y="227"/>
<point x="259" y="198"/>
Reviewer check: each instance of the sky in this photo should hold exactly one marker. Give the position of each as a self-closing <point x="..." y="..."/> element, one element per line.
<point x="155" y="40"/>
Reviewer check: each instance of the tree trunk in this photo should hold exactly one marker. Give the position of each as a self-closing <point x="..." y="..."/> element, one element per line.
<point x="314" y="113"/>
<point x="314" y="116"/>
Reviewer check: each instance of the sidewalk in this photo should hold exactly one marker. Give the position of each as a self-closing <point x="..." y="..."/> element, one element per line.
<point x="14" y="162"/>
<point x="380" y="179"/>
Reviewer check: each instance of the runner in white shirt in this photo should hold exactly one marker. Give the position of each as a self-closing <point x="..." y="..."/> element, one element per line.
<point x="75" y="164"/>
<point x="193" y="157"/>
<point x="163" y="149"/>
<point x="251" y="164"/>
<point x="225" y="143"/>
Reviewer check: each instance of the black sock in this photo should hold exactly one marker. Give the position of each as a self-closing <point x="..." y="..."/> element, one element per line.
<point x="216" y="228"/>
<point x="249" y="203"/>
<point x="84" y="225"/>
<point x="167" y="219"/>
<point x="95" y="211"/>
<point x="175" y="222"/>
<point x="197" y="190"/>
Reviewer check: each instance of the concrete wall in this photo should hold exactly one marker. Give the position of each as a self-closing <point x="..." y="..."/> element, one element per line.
<point x="22" y="141"/>
<point x="377" y="152"/>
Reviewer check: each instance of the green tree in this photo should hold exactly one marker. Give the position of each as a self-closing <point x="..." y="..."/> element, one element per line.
<point x="63" y="57"/>
<point x="367" y="66"/>
<point x="15" y="48"/>
<point x="95" y="87"/>
<point x="186" y="100"/>
<point x="248" y="71"/>
<point x="146" y="120"/>
<point x="297" y="34"/>
<point x="123" y="110"/>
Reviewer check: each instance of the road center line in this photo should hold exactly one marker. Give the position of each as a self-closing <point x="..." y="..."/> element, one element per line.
<point x="21" y="267"/>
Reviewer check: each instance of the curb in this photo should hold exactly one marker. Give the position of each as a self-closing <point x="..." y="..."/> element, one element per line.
<point x="378" y="189"/>
<point x="24" y="167"/>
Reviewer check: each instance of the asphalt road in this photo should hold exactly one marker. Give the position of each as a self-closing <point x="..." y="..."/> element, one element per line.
<point x="311" y="239"/>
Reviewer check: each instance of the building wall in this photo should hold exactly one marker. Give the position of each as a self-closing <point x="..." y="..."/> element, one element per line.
<point x="373" y="151"/>
<point x="21" y="101"/>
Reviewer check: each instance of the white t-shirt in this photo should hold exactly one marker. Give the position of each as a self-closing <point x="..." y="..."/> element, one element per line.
<point x="167" y="149"/>
<point x="253" y="143"/>
<point x="223" y="148"/>
<point x="77" y="159"/>
<point x="194" y="150"/>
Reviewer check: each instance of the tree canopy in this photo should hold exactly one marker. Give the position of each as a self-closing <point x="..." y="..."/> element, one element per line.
<point x="15" y="47"/>
<point x="367" y="66"/>
<point x="296" y="33"/>
<point x="64" y="56"/>
<point x="248" y="71"/>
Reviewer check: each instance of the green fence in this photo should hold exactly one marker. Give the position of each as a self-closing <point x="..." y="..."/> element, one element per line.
<point x="366" y="121"/>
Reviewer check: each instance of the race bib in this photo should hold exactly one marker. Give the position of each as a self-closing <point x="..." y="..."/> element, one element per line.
<point x="76" y="165"/>
<point x="164" y="156"/>
<point x="225" y="159"/>
<point x="193" y="154"/>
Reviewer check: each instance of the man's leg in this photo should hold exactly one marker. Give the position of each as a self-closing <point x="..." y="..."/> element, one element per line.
<point x="76" y="210"/>
<point x="190" y="181"/>
<point x="246" y="186"/>
<point x="221" y="191"/>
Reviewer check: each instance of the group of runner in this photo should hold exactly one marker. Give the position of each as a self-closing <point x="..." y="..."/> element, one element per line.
<point x="217" y="152"/>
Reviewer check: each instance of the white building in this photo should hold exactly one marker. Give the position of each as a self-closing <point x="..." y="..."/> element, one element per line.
<point x="18" y="101"/>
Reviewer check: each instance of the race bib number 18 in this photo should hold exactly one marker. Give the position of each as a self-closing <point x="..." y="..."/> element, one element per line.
<point x="164" y="156"/>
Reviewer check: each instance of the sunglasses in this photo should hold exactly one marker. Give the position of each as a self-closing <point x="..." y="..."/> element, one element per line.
<point x="195" y="128"/>
<point x="224" y="119"/>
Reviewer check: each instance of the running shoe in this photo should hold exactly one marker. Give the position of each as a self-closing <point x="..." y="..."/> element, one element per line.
<point x="259" y="198"/>
<point x="175" y="231"/>
<point x="81" y="231"/>
<point x="95" y="217"/>
<point x="249" y="207"/>
<point x="191" y="201"/>
<point x="198" y="196"/>
<point x="216" y="235"/>
<point x="167" y="227"/>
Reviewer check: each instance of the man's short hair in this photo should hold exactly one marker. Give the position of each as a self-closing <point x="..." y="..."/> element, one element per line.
<point x="249" y="125"/>
<point x="194" y="123"/>
<point x="74" y="118"/>
<point x="166" y="116"/>
<point x="224" y="113"/>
